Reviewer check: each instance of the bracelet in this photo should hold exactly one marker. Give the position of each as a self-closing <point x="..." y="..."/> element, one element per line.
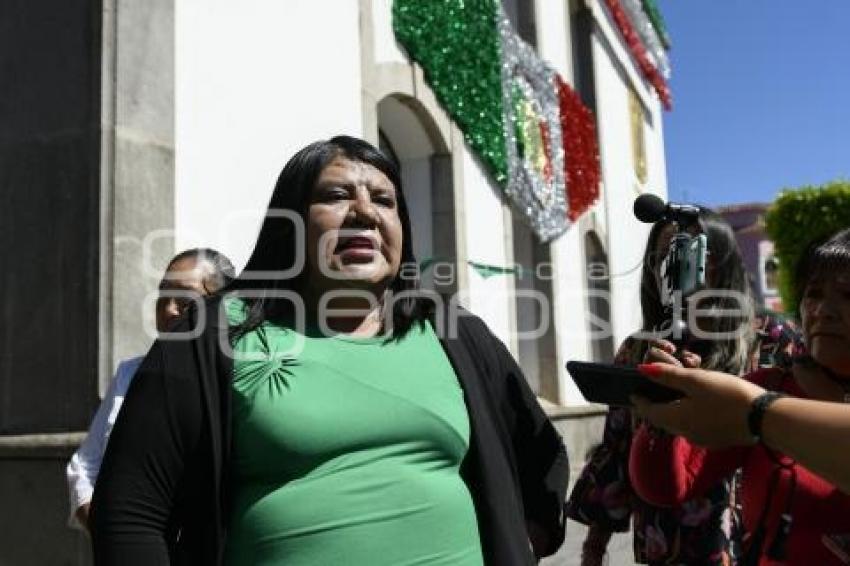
<point x="757" y="410"/>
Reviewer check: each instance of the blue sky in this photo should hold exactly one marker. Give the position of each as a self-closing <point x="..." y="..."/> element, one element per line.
<point x="761" y="97"/>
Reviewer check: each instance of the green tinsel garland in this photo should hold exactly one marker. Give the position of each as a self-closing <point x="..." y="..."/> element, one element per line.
<point x="457" y="43"/>
<point x="651" y="9"/>
<point x="484" y="270"/>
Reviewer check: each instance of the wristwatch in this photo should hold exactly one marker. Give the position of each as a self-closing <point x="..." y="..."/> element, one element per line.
<point x="757" y="410"/>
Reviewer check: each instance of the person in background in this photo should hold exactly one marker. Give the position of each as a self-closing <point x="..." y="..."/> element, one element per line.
<point x="792" y="514"/>
<point x="778" y="340"/>
<point x="199" y="271"/>
<point x="603" y="497"/>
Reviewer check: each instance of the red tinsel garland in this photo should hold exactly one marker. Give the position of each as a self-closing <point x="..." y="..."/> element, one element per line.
<point x="639" y="53"/>
<point x="581" y="150"/>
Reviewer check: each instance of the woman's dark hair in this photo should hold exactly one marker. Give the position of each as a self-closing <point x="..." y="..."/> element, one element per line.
<point x="275" y="249"/>
<point x="727" y="273"/>
<point x="222" y="274"/>
<point x="823" y="257"/>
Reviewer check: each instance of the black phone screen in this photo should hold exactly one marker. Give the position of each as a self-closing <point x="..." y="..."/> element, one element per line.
<point x="613" y="385"/>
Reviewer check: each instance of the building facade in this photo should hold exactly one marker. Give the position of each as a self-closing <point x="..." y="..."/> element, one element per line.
<point x="747" y="221"/>
<point x="138" y="129"/>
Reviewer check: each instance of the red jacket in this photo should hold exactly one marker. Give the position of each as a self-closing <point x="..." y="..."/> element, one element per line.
<point x="667" y="470"/>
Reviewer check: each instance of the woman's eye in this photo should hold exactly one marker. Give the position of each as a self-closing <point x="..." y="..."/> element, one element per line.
<point x="336" y="195"/>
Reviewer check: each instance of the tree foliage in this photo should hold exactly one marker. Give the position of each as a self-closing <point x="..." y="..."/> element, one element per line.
<point x="800" y="216"/>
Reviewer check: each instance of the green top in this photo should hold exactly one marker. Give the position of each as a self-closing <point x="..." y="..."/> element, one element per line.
<point x="347" y="451"/>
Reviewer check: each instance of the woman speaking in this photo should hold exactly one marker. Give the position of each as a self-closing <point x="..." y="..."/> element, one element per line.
<point x="333" y="417"/>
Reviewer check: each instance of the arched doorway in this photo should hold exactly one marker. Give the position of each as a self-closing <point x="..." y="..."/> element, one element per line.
<point x="407" y="132"/>
<point x="598" y="300"/>
<point x="535" y="319"/>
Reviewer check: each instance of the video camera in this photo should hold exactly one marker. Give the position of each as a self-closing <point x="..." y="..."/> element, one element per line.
<point x="683" y="268"/>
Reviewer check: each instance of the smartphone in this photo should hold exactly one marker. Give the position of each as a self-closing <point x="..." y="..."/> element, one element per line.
<point x="692" y="265"/>
<point x="683" y="270"/>
<point x="613" y="385"/>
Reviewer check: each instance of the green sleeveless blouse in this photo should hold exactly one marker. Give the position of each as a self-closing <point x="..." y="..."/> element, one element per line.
<point x="347" y="451"/>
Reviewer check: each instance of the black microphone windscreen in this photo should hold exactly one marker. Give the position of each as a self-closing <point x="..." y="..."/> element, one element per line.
<point x="649" y="208"/>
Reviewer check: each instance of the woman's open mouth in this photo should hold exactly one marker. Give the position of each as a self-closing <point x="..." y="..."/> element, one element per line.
<point x="357" y="248"/>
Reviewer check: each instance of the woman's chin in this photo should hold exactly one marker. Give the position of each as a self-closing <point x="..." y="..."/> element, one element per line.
<point x="358" y="275"/>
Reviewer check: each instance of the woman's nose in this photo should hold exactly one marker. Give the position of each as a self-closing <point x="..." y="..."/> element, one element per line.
<point x="363" y="209"/>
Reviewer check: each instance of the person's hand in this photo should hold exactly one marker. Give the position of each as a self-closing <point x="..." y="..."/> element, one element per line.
<point x="664" y="352"/>
<point x="713" y="412"/>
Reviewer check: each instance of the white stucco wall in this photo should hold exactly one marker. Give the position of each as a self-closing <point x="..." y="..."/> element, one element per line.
<point x="615" y="74"/>
<point x="485" y="230"/>
<point x="554" y="35"/>
<point x="554" y="44"/>
<point x="656" y="158"/>
<point x="386" y="48"/>
<point x="569" y="309"/>
<point x="255" y="81"/>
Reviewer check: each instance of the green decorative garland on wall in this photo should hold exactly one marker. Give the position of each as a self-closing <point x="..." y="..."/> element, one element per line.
<point x="463" y="68"/>
<point x="530" y="130"/>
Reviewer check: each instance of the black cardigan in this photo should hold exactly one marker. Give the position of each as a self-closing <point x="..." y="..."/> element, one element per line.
<point x="161" y="496"/>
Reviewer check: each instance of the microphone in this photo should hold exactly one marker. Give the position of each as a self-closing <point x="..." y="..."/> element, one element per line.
<point x="650" y="209"/>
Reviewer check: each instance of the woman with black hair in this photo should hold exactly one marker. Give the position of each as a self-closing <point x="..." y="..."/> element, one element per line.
<point x="603" y="497"/>
<point x="792" y="515"/>
<point x="322" y="417"/>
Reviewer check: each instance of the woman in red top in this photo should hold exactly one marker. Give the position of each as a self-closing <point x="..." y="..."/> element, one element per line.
<point x="792" y="515"/>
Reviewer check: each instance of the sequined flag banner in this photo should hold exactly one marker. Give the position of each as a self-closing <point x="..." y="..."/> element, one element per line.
<point x="648" y="36"/>
<point x="639" y="52"/>
<point x="457" y="43"/>
<point x="581" y="149"/>
<point x="508" y="103"/>
<point x="535" y="150"/>
<point x="654" y="14"/>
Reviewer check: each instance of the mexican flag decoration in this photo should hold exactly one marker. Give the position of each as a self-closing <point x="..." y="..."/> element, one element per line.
<point x="639" y="24"/>
<point x="650" y="8"/>
<point x="525" y="123"/>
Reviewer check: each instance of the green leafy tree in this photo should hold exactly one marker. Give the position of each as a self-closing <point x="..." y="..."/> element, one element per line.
<point x="799" y="216"/>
